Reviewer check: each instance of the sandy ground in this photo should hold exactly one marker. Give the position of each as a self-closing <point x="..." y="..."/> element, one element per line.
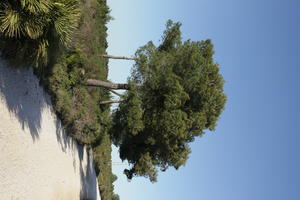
<point x="37" y="160"/>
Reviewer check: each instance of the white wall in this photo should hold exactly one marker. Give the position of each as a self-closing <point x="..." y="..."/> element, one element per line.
<point x="37" y="160"/>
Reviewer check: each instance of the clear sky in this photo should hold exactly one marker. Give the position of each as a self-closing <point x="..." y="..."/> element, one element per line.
<point x="254" y="154"/>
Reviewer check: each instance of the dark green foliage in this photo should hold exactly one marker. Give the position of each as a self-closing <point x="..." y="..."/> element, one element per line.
<point x="130" y="120"/>
<point x="115" y="197"/>
<point x="26" y="26"/>
<point x="180" y="94"/>
<point x="78" y="105"/>
<point x="102" y="153"/>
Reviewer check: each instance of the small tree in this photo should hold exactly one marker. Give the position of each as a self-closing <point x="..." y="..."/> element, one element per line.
<point x="175" y="92"/>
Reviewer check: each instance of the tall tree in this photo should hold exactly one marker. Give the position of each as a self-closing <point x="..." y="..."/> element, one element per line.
<point x="175" y="93"/>
<point x="27" y="25"/>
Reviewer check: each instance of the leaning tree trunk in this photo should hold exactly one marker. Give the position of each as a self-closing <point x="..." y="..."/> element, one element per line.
<point x="107" y="85"/>
<point x="118" y="57"/>
<point x="111" y="87"/>
<point x="110" y="101"/>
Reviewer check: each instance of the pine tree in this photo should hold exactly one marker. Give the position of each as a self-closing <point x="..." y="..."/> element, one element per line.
<point x="175" y="93"/>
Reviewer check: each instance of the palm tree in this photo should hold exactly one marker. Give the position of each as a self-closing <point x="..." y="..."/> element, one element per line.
<point x="27" y="25"/>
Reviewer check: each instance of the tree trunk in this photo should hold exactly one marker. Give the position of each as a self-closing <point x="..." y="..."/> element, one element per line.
<point x="103" y="84"/>
<point x="118" y="57"/>
<point x="110" y="86"/>
<point x="110" y="101"/>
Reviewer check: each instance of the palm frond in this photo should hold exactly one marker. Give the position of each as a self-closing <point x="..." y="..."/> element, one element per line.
<point x="34" y="29"/>
<point x="10" y="24"/>
<point x="67" y="20"/>
<point x="35" y="20"/>
<point x="37" y="6"/>
<point x="42" y="52"/>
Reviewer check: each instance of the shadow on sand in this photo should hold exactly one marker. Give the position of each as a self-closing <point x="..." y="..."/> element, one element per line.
<point x="88" y="177"/>
<point x="25" y="99"/>
<point x="21" y="92"/>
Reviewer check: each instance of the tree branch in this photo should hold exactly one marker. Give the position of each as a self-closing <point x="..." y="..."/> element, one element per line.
<point x="110" y="101"/>
<point x="116" y="93"/>
<point x="118" y="57"/>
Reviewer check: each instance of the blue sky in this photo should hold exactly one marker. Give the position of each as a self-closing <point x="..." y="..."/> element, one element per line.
<point x="254" y="152"/>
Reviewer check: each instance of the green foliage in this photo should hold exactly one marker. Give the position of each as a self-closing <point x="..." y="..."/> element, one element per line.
<point x="74" y="104"/>
<point x="77" y="105"/>
<point x="102" y="158"/>
<point x="102" y="152"/>
<point x="178" y="95"/>
<point x="130" y="120"/>
<point x="115" y="197"/>
<point x="26" y="26"/>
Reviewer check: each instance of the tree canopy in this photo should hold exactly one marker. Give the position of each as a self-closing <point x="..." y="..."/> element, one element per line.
<point x="175" y="94"/>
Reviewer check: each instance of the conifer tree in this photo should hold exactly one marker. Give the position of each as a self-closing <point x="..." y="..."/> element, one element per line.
<point x="175" y="93"/>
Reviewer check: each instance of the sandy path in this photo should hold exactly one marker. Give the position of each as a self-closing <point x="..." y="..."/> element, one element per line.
<point x="37" y="160"/>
